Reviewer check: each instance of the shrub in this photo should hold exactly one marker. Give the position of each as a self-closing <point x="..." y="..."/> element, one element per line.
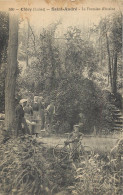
<point x="96" y="176"/>
<point x="76" y="95"/>
<point x="23" y="168"/>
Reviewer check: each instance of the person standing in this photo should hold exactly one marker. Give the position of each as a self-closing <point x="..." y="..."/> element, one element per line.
<point x="28" y="111"/>
<point x="21" y="125"/>
<point x="19" y="114"/>
<point x="49" y="113"/>
<point x="74" y="139"/>
<point x="38" y="114"/>
<point x="41" y="113"/>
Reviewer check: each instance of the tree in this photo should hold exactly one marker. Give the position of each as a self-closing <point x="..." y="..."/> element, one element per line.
<point x="45" y="64"/>
<point x="80" y="54"/>
<point x="109" y="33"/>
<point x="3" y="56"/>
<point x="117" y="46"/>
<point x="10" y="82"/>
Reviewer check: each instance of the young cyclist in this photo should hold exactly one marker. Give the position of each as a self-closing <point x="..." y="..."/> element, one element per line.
<point x="73" y="140"/>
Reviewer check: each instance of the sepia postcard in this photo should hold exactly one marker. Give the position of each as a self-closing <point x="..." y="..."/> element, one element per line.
<point x="61" y="95"/>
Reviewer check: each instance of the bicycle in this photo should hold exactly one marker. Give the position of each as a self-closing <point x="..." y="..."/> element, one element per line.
<point x="67" y="152"/>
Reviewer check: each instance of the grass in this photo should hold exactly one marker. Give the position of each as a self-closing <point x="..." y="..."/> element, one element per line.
<point x="102" y="144"/>
<point x="27" y="166"/>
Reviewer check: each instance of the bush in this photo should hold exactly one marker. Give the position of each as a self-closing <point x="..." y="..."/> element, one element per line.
<point x="76" y="95"/>
<point x="96" y="176"/>
<point x="23" y="168"/>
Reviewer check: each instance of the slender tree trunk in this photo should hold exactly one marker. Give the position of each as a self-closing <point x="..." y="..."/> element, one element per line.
<point x="100" y="45"/>
<point x="52" y="64"/>
<point x="10" y="81"/>
<point x="101" y="53"/>
<point x="109" y="61"/>
<point x="114" y="83"/>
<point x="27" y="57"/>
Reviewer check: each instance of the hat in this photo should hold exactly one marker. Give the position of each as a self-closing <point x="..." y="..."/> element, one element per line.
<point x="76" y="125"/>
<point x="23" y="100"/>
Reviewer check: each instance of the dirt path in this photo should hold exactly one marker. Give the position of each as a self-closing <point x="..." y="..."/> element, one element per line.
<point x="96" y="143"/>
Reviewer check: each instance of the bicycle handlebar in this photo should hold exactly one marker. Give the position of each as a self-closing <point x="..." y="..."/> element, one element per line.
<point x="68" y="141"/>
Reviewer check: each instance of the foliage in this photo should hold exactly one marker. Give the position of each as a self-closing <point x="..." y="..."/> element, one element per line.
<point x="4" y="25"/>
<point x="74" y="78"/>
<point x="80" y="53"/>
<point x="97" y="176"/>
<point x="28" y="167"/>
<point x="75" y="96"/>
<point x="22" y="167"/>
<point x="60" y="175"/>
<point x="108" y="47"/>
<point x="44" y="61"/>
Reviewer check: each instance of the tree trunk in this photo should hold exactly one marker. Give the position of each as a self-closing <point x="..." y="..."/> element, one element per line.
<point x="53" y="84"/>
<point x="101" y="51"/>
<point x="27" y="45"/>
<point x="114" y="82"/>
<point x="10" y="82"/>
<point x="109" y="62"/>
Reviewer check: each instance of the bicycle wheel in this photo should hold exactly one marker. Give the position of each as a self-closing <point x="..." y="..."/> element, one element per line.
<point x="59" y="153"/>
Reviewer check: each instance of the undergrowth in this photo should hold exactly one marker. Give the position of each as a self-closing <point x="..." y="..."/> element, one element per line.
<point x="98" y="176"/>
<point x="23" y="169"/>
<point x="27" y="167"/>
